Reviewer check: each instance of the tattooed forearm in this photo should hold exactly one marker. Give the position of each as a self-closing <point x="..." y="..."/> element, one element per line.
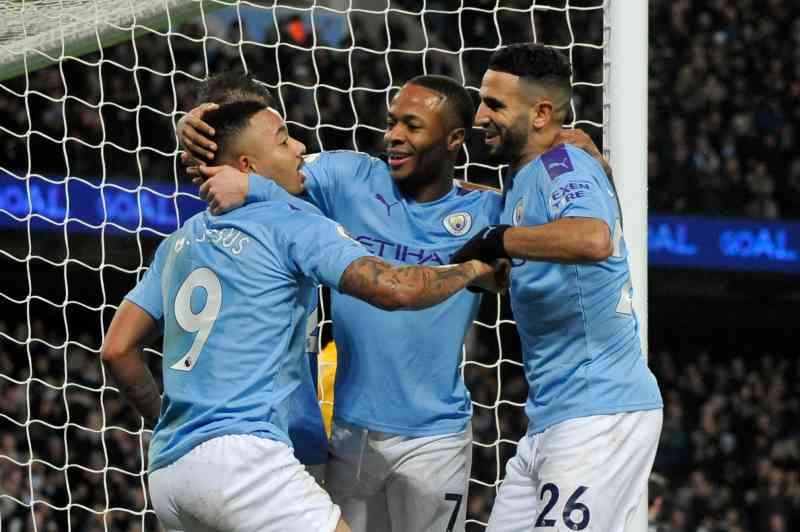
<point x="137" y="385"/>
<point x="406" y="287"/>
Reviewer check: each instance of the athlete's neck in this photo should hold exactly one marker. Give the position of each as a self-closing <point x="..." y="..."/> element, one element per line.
<point x="538" y="143"/>
<point x="429" y="190"/>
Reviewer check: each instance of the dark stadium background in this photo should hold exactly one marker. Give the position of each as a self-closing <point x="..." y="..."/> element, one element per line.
<point x="724" y="86"/>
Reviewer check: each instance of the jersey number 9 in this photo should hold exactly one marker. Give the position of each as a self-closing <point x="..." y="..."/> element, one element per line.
<point x="202" y="321"/>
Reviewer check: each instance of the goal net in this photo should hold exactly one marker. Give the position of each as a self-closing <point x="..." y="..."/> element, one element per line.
<point x="89" y="185"/>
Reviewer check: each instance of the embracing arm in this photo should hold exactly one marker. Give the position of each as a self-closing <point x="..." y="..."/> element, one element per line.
<point x="568" y="240"/>
<point x="131" y="329"/>
<point x="409" y="287"/>
<point x="565" y="240"/>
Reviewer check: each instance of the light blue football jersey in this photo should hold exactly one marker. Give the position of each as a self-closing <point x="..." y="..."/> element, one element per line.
<point x="580" y="336"/>
<point x="398" y="372"/>
<point x="234" y="292"/>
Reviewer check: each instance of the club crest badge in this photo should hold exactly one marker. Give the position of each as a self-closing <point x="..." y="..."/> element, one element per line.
<point x="516" y="218"/>
<point x="458" y="224"/>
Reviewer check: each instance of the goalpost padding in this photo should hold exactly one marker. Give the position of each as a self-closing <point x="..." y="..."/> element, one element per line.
<point x="100" y="126"/>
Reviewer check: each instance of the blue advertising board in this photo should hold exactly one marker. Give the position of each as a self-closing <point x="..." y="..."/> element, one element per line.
<point x="122" y="207"/>
<point x="723" y="243"/>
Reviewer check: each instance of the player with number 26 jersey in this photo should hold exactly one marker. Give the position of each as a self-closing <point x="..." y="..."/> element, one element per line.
<point x="582" y="355"/>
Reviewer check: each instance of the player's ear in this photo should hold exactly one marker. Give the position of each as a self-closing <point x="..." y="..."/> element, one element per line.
<point x="541" y="114"/>
<point x="246" y="164"/>
<point x="455" y="139"/>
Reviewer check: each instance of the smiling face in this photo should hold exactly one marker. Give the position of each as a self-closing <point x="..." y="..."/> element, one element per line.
<point x="266" y="148"/>
<point x="504" y="116"/>
<point x="418" y="137"/>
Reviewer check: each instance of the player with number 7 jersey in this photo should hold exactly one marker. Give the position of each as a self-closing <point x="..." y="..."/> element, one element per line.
<point x="232" y="294"/>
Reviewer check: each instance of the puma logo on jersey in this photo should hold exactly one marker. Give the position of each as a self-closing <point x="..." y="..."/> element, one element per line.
<point x="557" y="162"/>
<point x="380" y="198"/>
<point x="564" y="163"/>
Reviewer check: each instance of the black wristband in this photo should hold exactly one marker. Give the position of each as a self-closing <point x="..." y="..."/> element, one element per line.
<point x="495" y="239"/>
<point x="486" y="245"/>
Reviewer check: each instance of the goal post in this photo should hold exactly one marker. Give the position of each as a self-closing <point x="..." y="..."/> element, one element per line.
<point x="625" y="143"/>
<point x="89" y="186"/>
<point x="38" y="33"/>
<point x="625" y="132"/>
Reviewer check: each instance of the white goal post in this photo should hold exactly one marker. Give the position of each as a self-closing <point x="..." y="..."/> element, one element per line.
<point x="90" y="91"/>
<point x="37" y="33"/>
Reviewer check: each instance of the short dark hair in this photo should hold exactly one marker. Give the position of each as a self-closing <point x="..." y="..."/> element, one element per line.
<point x="234" y="86"/>
<point x="229" y="121"/>
<point x="461" y="105"/>
<point x="535" y="63"/>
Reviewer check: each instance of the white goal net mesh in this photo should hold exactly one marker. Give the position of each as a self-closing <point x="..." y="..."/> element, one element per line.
<point x="89" y="185"/>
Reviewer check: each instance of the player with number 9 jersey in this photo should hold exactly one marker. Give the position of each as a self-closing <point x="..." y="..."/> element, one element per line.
<point x="233" y="293"/>
<point x="237" y="288"/>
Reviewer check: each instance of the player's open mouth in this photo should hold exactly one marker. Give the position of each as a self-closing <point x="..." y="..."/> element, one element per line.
<point x="397" y="159"/>
<point x="492" y="138"/>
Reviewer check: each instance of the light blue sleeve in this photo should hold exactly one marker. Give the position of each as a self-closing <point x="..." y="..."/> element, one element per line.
<point x="147" y="292"/>
<point x="329" y="174"/>
<point x="320" y="249"/>
<point x="326" y="173"/>
<point x="584" y="192"/>
<point x="260" y="188"/>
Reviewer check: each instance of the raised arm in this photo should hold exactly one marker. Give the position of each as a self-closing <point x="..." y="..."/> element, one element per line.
<point x="131" y="329"/>
<point x="410" y="287"/>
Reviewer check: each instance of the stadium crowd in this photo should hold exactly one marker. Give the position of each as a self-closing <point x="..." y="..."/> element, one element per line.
<point x="723" y="82"/>
<point x="723" y="123"/>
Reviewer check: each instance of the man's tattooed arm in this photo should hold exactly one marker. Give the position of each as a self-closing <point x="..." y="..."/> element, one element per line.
<point x="131" y="329"/>
<point x="407" y="287"/>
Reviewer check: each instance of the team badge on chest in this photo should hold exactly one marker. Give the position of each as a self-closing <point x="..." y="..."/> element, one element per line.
<point x="516" y="218"/>
<point x="458" y="224"/>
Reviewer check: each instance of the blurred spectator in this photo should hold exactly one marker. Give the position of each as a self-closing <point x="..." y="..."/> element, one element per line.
<point x="722" y="77"/>
<point x="656" y="491"/>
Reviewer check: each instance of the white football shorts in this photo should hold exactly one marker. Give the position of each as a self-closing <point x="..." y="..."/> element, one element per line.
<point x="585" y="474"/>
<point x="240" y="483"/>
<point x="389" y="483"/>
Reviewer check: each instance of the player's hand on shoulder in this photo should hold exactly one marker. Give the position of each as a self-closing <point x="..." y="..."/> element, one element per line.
<point x="195" y="135"/>
<point x="496" y="281"/>
<point x="224" y="188"/>
<point x="486" y="246"/>
<point x="580" y="139"/>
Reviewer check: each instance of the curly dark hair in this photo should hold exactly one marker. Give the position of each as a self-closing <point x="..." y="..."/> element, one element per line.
<point x="535" y="63"/>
